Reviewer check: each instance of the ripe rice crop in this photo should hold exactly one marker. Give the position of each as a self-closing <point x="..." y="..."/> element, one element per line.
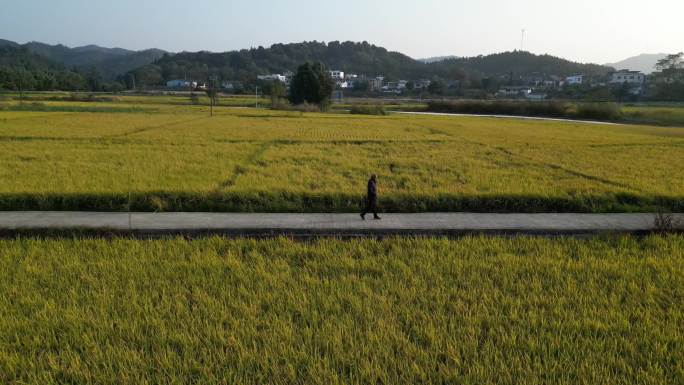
<point x="172" y="158"/>
<point x="396" y="311"/>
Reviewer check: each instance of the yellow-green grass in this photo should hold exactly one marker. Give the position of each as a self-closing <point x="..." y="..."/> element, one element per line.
<point x="178" y="158"/>
<point x="397" y="311"/>
<point x="136" y="99"/>
<point x="672" y="115"/>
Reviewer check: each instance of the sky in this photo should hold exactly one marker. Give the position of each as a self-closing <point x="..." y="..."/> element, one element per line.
<point x="598" y="31"/>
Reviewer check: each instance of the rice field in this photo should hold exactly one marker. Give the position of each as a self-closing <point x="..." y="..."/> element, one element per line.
<point x="167" y="157"/>
<point x="396" y="311"/>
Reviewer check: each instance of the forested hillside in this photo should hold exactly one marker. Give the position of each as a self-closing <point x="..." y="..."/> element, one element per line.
<point x="360" y="58"/>
<point x="112" y="68"/>
<point x="109" y="63"/>
<point x="523" y="64"/>
<point x="22" y="69"/>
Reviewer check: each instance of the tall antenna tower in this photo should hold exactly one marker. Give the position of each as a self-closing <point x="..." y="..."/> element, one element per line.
<point x="522" y="40"/>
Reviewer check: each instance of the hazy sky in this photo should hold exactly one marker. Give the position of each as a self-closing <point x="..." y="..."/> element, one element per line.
<point x="584" y="30"/>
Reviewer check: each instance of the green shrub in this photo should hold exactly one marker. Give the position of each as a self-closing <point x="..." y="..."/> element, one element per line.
<point x="364" y="109"/>
<point x="513" y="108"/>
<point x="304" y="107"/>
<point x="598" y="111"/>
<point x="552" y="109"/>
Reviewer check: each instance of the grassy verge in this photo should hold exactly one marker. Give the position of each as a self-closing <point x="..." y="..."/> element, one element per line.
<point x="42" y="107"/>
<point x="362" y="109"/>
<point x="313" y="203"/>
<point x="659" y="114"/>
<point x="651" y="114"/>
<point x="552" y="109"/>
<point x="398" y="311"/>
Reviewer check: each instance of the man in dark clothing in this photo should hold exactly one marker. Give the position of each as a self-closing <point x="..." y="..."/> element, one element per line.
<point x="371" y="198"/>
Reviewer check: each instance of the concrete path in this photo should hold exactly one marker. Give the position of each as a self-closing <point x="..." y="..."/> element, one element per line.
<point x="326" y="224"/>
<point x="507" y="117"/>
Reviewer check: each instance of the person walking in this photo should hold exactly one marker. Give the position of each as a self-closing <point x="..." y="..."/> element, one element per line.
<point x="371" y="198"/>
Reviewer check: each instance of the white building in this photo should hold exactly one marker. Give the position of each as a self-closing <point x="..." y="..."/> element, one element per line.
<point x="514" y="92"/>
<point x="179" y="83"/>
<point x="273" y="77"/>
<point x="230" y="85"/>
<point x="376" y="84"/>
<point x="395" y="86"/>
<point x="535" y="96"/>
<point x="421" y="84"/>
<point x="337" y="75"/>
<point x="574" y="80"/>
<point x="626" y="76"/>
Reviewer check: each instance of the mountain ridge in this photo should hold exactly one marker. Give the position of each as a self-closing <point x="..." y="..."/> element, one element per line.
<point x="360" y="58"/>
<point x="155" y="67"/>
<point x="644" y="62"/>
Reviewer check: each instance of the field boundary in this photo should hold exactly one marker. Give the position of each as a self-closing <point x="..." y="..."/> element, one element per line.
<point x="302" y="202"/>
<point x="494" y="116"/>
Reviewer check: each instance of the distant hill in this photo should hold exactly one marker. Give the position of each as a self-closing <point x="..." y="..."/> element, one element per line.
<point x="359" y="58"/>
<point x="110" y="62"/>
<point x="154" y="67"/>
<point x="22" y="69"/>
<point x="22" y="59"/>
<point x="7" y="43"/>
<point x="644" y="62"/>
<point x="522" y="63"/>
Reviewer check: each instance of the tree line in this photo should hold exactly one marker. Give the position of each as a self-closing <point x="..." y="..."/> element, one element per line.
<point x="20" y="69"/>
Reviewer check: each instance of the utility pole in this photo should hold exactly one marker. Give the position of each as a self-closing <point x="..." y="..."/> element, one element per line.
<point x="256" y="97"/>
<point x="21" y="92"/>
<point x="522" y="40"/>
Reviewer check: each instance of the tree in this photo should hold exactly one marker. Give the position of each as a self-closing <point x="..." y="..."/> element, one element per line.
<point x="311" y="84"/>
<point x="212" y="93"/>
<point x="436" y="87"/>
<point x="361" y="85"/>
<point x="276" y="90"/>
<point x="671" y="67"/>
<point x="94" y="79"/>
<point x="622" y="92"/>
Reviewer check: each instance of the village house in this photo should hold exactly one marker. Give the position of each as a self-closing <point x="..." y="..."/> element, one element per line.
<point x="626" y="76"/>
<point x="421" y="84"/>
<point x="273" y="77"/>
<point x="535" y="96"/>
<point x="337" y="75"/>
<point x="514" y="92"/>
<point x="375" y="84"/>
<point x="230" y="85"/>
<point x="574" y="80"/>
<point x="179" y="83"/>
